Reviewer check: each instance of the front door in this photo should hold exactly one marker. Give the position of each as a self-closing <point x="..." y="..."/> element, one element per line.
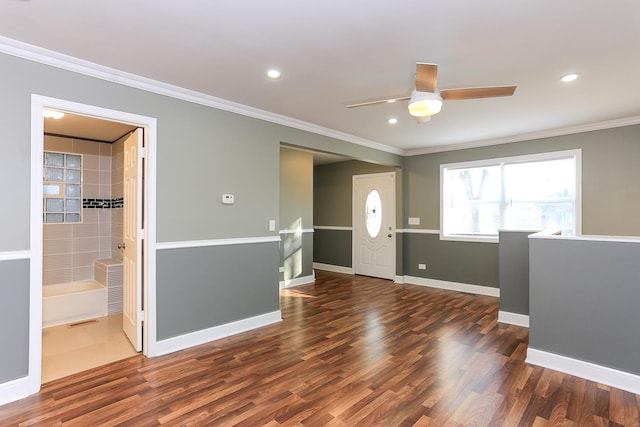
<point x="374" y="218"/>
<point x="132" y="235"/>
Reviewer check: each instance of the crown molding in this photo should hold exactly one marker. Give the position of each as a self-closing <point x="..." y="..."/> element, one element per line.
<point x="608" y="124"/>
<point x="80" y="66"/>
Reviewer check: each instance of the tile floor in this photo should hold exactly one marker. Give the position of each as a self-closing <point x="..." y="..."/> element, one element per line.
<point x="69" y="349"/>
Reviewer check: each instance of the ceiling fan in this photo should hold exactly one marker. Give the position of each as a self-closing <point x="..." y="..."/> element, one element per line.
<point x="426" y="99"/>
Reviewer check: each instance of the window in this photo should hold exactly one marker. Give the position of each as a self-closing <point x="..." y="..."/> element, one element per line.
<point x="533" y="192"/>
<point x="373" y="213"/>
<point x="62" y="187"/>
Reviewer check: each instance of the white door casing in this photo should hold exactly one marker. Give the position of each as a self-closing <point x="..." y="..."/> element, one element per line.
<point x="132" y="238"/>
<point x="374" y="218"/>
<point x="32" y="382"/>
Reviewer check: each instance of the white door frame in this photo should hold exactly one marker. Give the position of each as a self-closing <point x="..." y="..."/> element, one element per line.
<point x="39" y="103"/>
<point x="354" y="243"/>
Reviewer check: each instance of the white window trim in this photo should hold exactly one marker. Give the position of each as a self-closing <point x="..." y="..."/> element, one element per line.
<point x="553" y="155"/>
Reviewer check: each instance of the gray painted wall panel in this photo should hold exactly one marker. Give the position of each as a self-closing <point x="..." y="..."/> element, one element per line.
<point x="296" y="254"/>
<point x="462" y="262"/>
<point x="14" y="318"/>
<point x="199" y="288"/>
<point x="513" y="254"/>
<point x="332" y="247"/>
<point x="584" y="301"/>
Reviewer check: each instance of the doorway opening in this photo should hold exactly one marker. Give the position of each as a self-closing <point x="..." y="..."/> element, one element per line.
<point x="92" y="218"/>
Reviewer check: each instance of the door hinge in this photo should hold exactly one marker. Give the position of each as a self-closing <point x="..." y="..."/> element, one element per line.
<point x="142" y="152"/>
<point x="141" y="234"/>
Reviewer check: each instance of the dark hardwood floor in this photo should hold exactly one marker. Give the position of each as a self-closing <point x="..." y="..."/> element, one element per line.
<point x="350" y="351"/>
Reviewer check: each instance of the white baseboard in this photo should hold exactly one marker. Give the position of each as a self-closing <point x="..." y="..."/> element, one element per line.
<point x="399" y="280"/>
<point x="333" y="268"/>
<point x="297" y="281"/>
<point x="181" y="342"/>
<point x="513" y="318"/>
<point x="590" y="371"/>
<point x="453" y="286"/>
<point x="14" y="390"/>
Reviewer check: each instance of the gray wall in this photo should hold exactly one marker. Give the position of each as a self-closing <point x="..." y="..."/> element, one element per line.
<point x="14" y="319"/>
<point x="584" y="301"/>
<point x="203" y="287"/>
<point x="610" y="195"/>
<point x="202" y="153"/>
<point x="461" y="262"/>
<point x="513" y="254"/>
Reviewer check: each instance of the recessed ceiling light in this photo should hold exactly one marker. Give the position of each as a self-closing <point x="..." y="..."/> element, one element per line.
<point x="273" y="73"/>
<point x="392" y="121"/>
<point x="50" y="114"/>
<point x="569" y="77"/>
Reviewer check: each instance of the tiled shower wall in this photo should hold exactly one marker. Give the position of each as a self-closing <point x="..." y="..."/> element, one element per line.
<point x="69" y="250"/>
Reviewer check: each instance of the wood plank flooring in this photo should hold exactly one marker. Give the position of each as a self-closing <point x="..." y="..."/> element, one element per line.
<point x="350" y="351"/>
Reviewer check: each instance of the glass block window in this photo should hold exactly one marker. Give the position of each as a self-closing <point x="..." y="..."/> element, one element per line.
<point x="62" y="188"/>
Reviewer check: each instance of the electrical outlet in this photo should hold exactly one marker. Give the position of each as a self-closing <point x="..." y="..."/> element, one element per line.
<point x="422" y="266"/>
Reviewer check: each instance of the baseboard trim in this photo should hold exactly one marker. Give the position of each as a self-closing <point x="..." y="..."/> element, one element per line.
<point x="513" y="318"/>
<point x="399" y="280"/>
<point x="192" y="339"/>
<point x="14" y="390"/>
<point x="587" y="370"/>
<point x="297" y="281"/>
<point x="453" y="286"/>
<point x="333" y="268"/>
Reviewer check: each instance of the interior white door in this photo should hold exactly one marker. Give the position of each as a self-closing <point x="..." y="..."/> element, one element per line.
<point x="132" y="236"/>
<point x="374" y="219"/>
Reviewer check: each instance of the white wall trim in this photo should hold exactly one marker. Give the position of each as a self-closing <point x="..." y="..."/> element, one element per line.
<point x="399" y="280"/>
<point x="216" y="242"/>
<point x="66" y="62"/>
<point x="513" y="318"/>
<point x="14" y="255"/>
<point x="453" y="286"/>
<point x="417" y="231"/>
<point x="296" y="231"/>
<point x="182" y="342"/>
<point x="14" y="390"/>
<point x="333" y="268"/>
<point x="284" y="284"/>
<point x="332" y="227"/>
<point x="587" y="370"/>
<point x="38" y="103"/>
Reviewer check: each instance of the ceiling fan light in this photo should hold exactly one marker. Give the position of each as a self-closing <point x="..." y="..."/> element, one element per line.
<point x="423" y="104"/>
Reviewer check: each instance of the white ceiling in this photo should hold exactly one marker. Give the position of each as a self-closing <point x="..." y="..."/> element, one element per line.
<point x="335" y="52"/>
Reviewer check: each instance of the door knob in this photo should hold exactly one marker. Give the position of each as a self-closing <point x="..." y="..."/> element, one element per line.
<point x="389" y="235"/>
<point x="121" y="245"/>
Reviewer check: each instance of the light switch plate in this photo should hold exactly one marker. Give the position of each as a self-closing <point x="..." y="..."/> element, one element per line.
<point x="228" y="199"/>
<point x="414" y="220"/>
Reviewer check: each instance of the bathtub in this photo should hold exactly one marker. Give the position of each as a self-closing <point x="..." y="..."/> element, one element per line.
<point x="73" y="302"/>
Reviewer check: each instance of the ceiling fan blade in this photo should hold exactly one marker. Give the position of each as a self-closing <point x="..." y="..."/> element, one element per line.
<point x="477" y="92"/>
<point x="378" y="101"/>
<point x="426" y="77"/>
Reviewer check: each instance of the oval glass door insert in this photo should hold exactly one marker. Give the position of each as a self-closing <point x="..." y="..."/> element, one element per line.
<point x="373" y="213"/>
